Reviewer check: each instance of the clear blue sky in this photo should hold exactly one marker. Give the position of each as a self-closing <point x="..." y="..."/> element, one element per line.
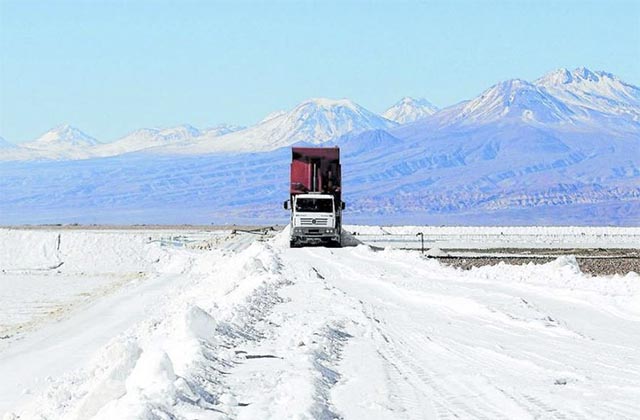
<point x="109" y="67"/>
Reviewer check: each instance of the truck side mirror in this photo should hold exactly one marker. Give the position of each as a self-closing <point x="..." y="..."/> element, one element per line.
<point x="343" y="205"/>
<point x="286" y="204"/>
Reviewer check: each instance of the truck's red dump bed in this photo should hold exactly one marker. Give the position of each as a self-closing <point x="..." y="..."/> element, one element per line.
<point x="316" y="169"/>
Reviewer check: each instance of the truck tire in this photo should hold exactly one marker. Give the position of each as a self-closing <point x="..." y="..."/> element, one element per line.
<point x="294" y="244"/>
<point x="335" y="244"/>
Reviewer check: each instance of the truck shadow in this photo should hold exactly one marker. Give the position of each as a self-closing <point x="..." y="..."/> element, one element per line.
<point x="348" y="239"/>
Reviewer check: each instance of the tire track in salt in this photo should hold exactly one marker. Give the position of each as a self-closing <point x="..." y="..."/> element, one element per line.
<point x="445" y="403"/>
<point x="578" y="350"/>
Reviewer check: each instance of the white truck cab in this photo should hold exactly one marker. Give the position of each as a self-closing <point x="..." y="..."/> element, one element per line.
<point x="313" y="219"/>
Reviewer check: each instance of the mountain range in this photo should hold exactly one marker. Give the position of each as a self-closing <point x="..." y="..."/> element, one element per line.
<point x="313" y="121"/>
<point x="562" y="149"/>
<point x="561" y="97"/>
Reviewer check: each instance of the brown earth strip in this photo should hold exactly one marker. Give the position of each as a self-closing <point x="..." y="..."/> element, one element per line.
<point x="594" y="266"/>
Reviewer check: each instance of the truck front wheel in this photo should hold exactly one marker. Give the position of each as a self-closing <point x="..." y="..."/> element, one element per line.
<point x="336" y="243"/>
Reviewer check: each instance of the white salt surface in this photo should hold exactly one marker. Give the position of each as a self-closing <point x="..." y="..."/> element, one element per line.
<point x="252" y="329"/>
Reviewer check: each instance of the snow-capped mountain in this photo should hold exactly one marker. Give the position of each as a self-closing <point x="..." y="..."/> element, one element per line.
<point x="66" y="142"/>
<point x="63" y="142"/>
<point x="182" y="137"/>
<point x="318" y="120"/>
<point x="560" y="98"/>
<point x="62" y="138"/>
<point x="147" y="138"/>
<point x="409" y="110"/>
<point x="514" y="99"/>
<point x="593" y="90"/>
<point x="314" y="121"/>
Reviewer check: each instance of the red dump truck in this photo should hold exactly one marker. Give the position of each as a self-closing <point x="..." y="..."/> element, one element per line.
<point x="315" y="196"/>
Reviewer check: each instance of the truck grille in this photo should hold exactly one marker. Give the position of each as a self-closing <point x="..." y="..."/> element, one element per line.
<point x="310" y="221"/>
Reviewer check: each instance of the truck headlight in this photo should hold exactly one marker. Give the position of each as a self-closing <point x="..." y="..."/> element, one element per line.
<point x="328" y="230"/>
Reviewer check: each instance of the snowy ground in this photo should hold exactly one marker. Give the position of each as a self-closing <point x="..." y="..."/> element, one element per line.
<point x="138" y="324"/>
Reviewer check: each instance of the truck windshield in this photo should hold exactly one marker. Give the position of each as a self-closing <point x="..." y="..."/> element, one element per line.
<point x="314" y="205"/>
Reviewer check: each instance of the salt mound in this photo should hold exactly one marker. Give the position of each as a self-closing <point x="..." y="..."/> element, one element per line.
<point x="436" y="252"/>
<point x="199" y="324"/>
<point x="566" y="263"/>
<point x="152" y="376"/>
